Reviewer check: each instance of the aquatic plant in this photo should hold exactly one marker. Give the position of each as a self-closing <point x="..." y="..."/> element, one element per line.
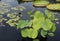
<point x="54" y="6"/>
<point x="12" y="15"/>
<point x="3" y="11"/>
<point x="21" y="8"/>
<point x="13" y="19"/>
<point x="4" y="5"/>
<point x="11" y="22"/>
<point x="41" y="3"/>
<point x="39" y="24"/>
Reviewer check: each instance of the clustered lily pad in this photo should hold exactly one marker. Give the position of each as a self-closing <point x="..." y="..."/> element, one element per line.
<point x="4" y="5"/>
<point x="13" y="19"/>
<point x="3" y="11"/>
<point x="12" y="22"/>
<point x="40" y="22"/>
<point x="12" y="15"/>
<point x="21" y="8"/>
<point x="41" y="3"/>
<point x="54" y="6"/>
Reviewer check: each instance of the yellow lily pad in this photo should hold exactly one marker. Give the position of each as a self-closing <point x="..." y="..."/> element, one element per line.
<point x="41" y="3"/>
<point x="53" y="7"/>
<point x="12" y="15"/>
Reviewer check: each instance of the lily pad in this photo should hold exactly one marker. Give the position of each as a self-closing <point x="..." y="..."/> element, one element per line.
<point x="51" y="34"/>
<point x="3" y="11"/>
<point x="41" y="3"/>
<point x="4" y="5"/>
<point x="21" y="8"/>
<point x="43" y="33"/>
<point x="12" y="15"/>
<point x="53" y="7"/>
<point x="11" y="22"/>
<point x="50" y="15"/>
<point x="22" y="24"/>
<point x="38" y="19"/>
<point x="31" y="33"/>
<point x="47" y="24"/>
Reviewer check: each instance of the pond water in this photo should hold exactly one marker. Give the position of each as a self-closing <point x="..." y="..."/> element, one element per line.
<point x="8" y="33"/>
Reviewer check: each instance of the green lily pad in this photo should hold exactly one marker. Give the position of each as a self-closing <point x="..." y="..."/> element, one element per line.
<point x="47" y="24"/>
<point x="51" y="34"/>
<point x="22" y="24"/>
<point x="31" y="33"/>
<point x="24" y="33"/>
<point x="11" y="22"/>
<point x="41" y="3"/>
<point x="50" y="15"/>
<point x="4" y="5"/>
<point x="12" y="15"/>
<point x="54" y="6"/>
<point x="53" y="29"/>
<point x="3" y="11"/>
<point x="21" y="8"/>
<point x="43" y="33"/>
<point x="38" y="19"/>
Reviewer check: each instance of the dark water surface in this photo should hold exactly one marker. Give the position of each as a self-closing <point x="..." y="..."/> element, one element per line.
<point x="8" y="33"/>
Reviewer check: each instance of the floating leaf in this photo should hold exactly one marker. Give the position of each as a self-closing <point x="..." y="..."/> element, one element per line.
<point x="54" y="6"/>
<point x="21" y="8"/>
<point x="36" y="40"/>
<point x="38" y="19"/>
<point x="11" y="22"/>
<point x="29" y="24"/>
<point x="3" y="11"/>
<point x="24" y="32"/>
<point x="12" y="15"/>
<point x="50" y="15"/>
<point x="16" y="18"/>
<point x="22" y="24"/>
<point x="47" y="24"/>
<point x="43" y="33"/>
<point x="51" y="34"/>
<point x="53" y="29"/>
<point x="31" y="33"/>
<point x="4" y="5"/>
<point x="57" y="22"/>
<point x="34" y="34"/>
<point x="41" y="3"/>
<point x="56" y="19"/>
